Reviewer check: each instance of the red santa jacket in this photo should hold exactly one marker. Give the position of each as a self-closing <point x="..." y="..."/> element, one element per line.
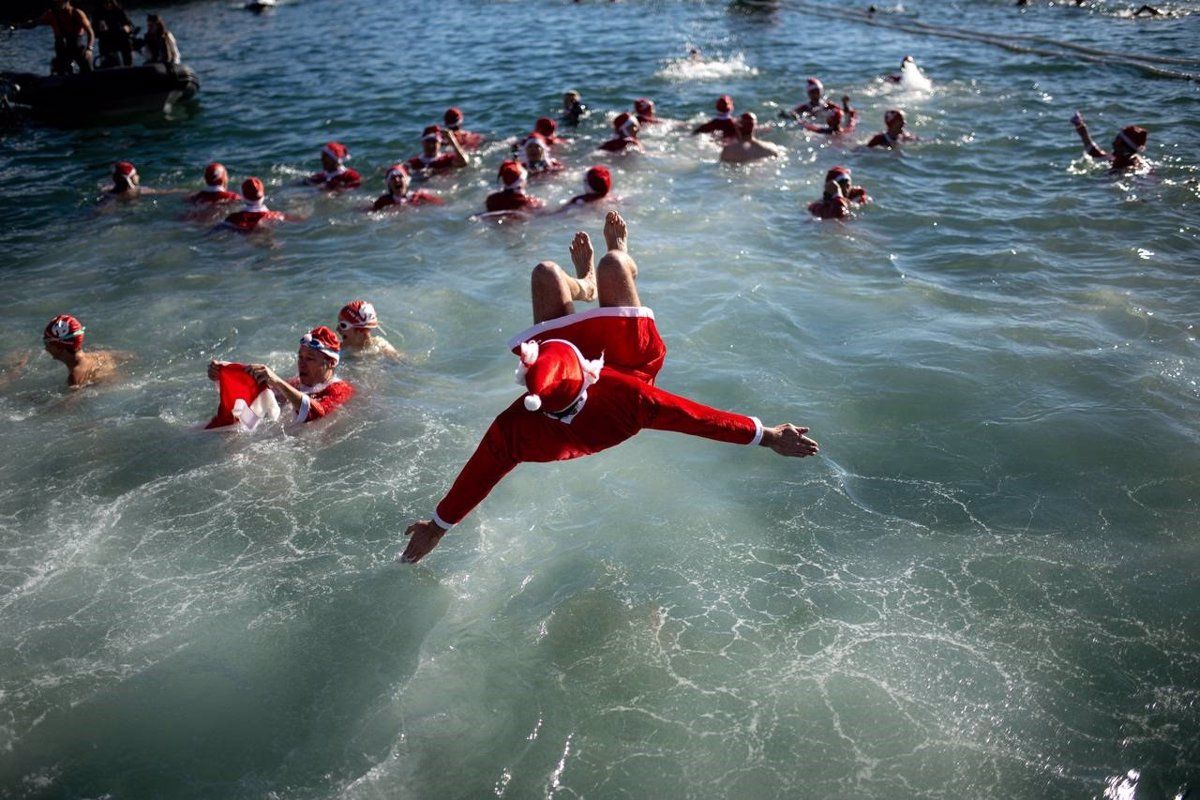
<point x="439" y="163"/>
<point x="506" y="200"/>
<point x="337" y="181"/>
<point x="417" y="198"/>
<point x="213" y="196"/>
<point x="247" y="221"/>
<point x="321" y="399"/>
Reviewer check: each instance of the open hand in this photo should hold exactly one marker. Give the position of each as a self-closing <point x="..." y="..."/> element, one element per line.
<point x="1077" y="119"/>
<point x="422" y="536"/>
<point x="788" y="440"/>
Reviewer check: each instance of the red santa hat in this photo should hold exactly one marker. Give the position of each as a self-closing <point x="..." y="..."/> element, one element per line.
<point x="453" y="117"/>
<point x="814" y="83"/>
<point x="124" y="169"/>
<point x="397" y="170"/>
<point x="336" y="150"/>
<point x="624" y="123"/>
<point x="65" y="329"/>
<point x="555" y="374"/>
<point x="724" y="104"/>
<point x="546" y="127"/>
<point x="358" y="314"/>
<point x="513" y="175"/>
<point x="892" y="115"/>
<point x="215" y="174"/>
<point x="598" y="179"/>
<point x="644" y="106"/>
<point x="838" y="174"/>
<point x="431" y="132"/>
<point x="324" y="341"/>
<point x="252" y="190"/>
<point x="1134" y="137"/>
<point x="747" y="122"/>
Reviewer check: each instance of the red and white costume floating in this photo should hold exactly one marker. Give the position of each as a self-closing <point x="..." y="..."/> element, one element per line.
<point x="243" y="402"/>
<point x="595" y="370"/>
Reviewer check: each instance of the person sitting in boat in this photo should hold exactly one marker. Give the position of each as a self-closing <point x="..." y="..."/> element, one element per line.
<point x="254" y="215"/>
<point x="335" y="176"/>
<point x="643" y="107"/>
<point x="573" y="108"/>
<point x="63" y="340"/>
<point x="114" y="33"/>
<point x="626" y="128"/>
<point x="398" y="194"/>
<point x="894" y="133"/>
<point x="216" y="188"/>
<point x="833" y="203"/>
<point x="69" y="25"/>
<point x="597" y="183"/>
<point x="160" y="43"/>
<point x="512" y="197"/>
<point x="315" y="391"/>
<point x="749" y="148"/>
<point x="817" y="104"/>
<point x="838" y="121"/>
<point x="588" y="382"/>
<point x="432" y="160"/>
<point x="358" y="325"/>
<point x="1126" y="148"/>
<point x="722" y="124"/>
<point x="454" y="120"/>
<point x="537" y="160"/>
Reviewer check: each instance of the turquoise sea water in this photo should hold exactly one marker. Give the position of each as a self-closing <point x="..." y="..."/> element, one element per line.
<point x="985" y="586"/>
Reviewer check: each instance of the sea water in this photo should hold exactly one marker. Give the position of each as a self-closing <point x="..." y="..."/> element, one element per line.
<point x="985" y="585"/>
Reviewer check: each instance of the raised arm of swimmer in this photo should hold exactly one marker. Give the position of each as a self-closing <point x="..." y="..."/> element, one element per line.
<point x="460" y="158"/>
<point x="1085" y="137"/>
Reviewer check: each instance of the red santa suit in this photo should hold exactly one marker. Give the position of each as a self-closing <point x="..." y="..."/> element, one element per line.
<point x="252" y="217"/>
<point x="417" y="198"/>
<point x="341" y="178"/>
<point x="213" y="195"/>
<point x="321" y="399"/>
<point x="606" y="359"/>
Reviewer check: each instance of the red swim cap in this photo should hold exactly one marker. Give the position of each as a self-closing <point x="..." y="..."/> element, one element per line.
<point x="124" y="169"/>
<point x="724" y="104"/>
<point x="545" y="126"/>
<point x="65" y="329"/>
<point x="453" y="117"/>
<point x="644" y="106"/>
<point x="598" y="179"/>
<point x="335" y="150"/>
<point x="358" y="314"/>
<point x="252" y="189"/>
<point x="215" y="174"/>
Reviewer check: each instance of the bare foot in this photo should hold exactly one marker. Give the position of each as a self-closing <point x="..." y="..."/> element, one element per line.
<point x="616" y="232"/>
<point x="582" y="255"/>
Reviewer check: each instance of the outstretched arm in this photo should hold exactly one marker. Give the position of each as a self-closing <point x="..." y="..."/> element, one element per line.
<point x="1085" y="137"/>
<point x="460" y="158"/>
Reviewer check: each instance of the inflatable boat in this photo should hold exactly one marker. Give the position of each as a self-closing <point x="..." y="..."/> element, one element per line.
<point x="102" y="92"/>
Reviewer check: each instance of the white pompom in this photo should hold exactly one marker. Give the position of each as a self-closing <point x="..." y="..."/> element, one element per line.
<point x="532" y="402"/>
<point x="529" y="352"/>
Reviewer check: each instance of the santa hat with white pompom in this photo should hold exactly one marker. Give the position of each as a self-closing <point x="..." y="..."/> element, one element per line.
<point x="555" y="375"/>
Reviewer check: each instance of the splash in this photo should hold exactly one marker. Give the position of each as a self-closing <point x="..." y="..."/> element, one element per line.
<point x="912" y="79"/>
<point x="702" y="69"/>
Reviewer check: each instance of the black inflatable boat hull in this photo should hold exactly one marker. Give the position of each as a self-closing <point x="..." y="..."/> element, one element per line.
<point x="104" y="91"/>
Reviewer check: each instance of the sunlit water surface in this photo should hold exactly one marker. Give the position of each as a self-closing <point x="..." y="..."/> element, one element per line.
<point x="985" y="586"/>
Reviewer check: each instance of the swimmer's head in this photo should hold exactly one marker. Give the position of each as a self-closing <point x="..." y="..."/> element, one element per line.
<point x="626" y="124"/>
<point x="215" y="175"/>
<point x="839" y="175"/>
<point x="453" y="118"/>
<point x="893" y="119"/>
<point x="644" y="107"/>
<point x="397" y="179"/>
<point x="545" y="127"/>
<point x="746" y="124"/>
<point x="252" y="190"/>
<point x="64" y="334"/>
<point x="555" y="375"/>
<point x="724" y="104"/>
<point x="356" y="320"/>
<point x="512" y="176"/>
<point x="1131" y="139"/>
<point x="598" y="180"/>
<point x="320" y="352"/>
<point x="907" y="60"/>
<point x="125" y="176"/>
<point x="431" y="140"/>
<point x="815" y="89"/>
<point x="332" y="155"/>
<point x="535" y="148"/>
<point x="570" y="99"/>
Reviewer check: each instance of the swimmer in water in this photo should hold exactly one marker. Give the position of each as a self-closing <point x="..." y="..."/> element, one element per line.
<point x="316" y="390"/>
<point x="626" y="128"/>
<point x="841" y="176"/>
<point x="216" y="188"/>
<point x="893" y="120"/>
<point x="833" y="203"/>
<point x="1149" y="11"/>
<point x="358" y="325"/>
<point x="126" y="183"/>
<point x="468" y="140"/>
<point x="817" y="106"/>
<point x="537" y="160"/>
<point x="597" y="183"/>
<point x="335" y="176"/>
<point x="588" y="384"/>
<point x="749" y="148"/>
<point x="643" y="107"/>
<point x="432" y="160"/>
<point x="838" y="121"/>
<point x="573" y="108"/>
<point x="898" y="77"/>
<point x="398" y="194"/>
<point x="1127" y="147"/>
<point x="63" y="340"/>
<point x="254" y="215"/>
<point x="512" y="197"/>
<point x="722" y="124"/>
<point x="548" y="130"/>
